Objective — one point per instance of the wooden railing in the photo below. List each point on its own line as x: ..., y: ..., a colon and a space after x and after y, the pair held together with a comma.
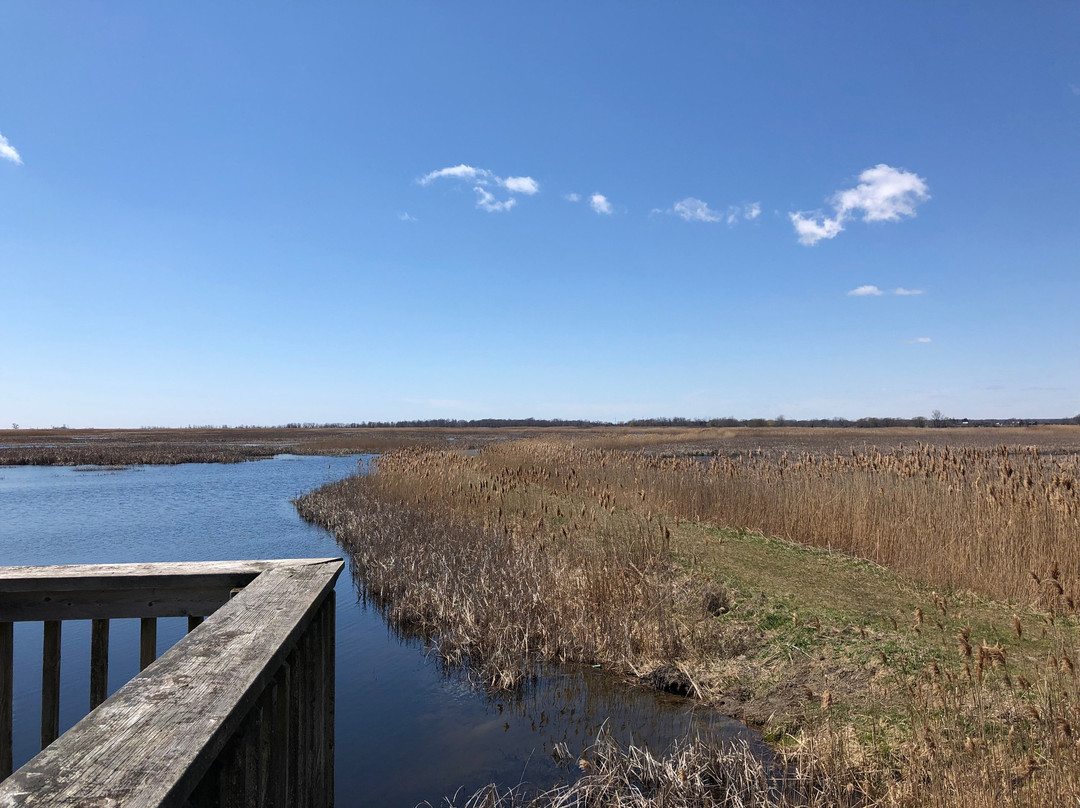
x: 239, y: 712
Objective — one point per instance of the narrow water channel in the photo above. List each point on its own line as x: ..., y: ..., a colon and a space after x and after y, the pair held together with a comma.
x: 407, y: 731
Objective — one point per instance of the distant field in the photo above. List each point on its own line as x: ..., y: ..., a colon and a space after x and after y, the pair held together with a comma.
x: 166, y: 446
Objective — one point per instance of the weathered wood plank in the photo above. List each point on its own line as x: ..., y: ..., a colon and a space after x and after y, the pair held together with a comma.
x: 147, y: 642
x: 140, y: 575
x: 151, y: 743
x: 95, y: 591
x: 7, y: 674
x: 99, y: 662
x: 48, y: 604
x: 50, y: 682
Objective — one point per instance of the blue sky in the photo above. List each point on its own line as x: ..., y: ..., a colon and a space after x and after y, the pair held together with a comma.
x: 262, y: 213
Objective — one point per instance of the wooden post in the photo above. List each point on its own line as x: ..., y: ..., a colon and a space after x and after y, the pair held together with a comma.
x: 147, y: 641
x: 7, y: 671
x: 99, y: 662
x: 193, y: 622
x: 50, y: 683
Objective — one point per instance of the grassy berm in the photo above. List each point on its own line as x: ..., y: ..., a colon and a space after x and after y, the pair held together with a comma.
x: 925, y: 672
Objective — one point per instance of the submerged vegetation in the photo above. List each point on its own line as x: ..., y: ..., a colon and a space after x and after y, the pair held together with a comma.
x: 938, y: 670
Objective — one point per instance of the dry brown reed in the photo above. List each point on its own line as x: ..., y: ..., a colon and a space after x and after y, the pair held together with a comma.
x: 541, y: 551
x: 1002, y: 522
x: 506, y: 595
x: 690, y: 774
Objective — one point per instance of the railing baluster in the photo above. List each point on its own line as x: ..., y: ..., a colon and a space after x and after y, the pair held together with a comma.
x: 7, y: 672
x: 280, y: 753
x: 50, y: 683
x: 99, y: 662
x: 329, y: 695
x: 147, y: 641
x: 193, y: 622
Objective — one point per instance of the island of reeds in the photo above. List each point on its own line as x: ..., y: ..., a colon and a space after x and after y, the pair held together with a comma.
x: 900, y: 617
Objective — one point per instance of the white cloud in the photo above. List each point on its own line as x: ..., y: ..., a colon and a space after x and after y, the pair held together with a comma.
x: 752, y: 211
x: 572, y: 197
x: 811, y: 231
x: 520, y: 185
x: 902, y: 291
x: 884, y: 194
x: 862, y: 291
x: 461, y: 172
x: 600, y: 204
x: 695, y: 210
x: 405, y: 217
x: 482, y: 179
x: 7, y: 151
x: 920, y: 340
x: 487, y: 201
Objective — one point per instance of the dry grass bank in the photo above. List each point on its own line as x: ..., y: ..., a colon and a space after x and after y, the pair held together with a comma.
x: 880, y: 688
x: 1003, y: 522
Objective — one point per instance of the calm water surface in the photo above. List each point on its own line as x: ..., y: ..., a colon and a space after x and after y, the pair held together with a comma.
x: 407, y: 731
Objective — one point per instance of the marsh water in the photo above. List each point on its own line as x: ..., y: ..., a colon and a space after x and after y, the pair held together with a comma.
x: 408, y: 731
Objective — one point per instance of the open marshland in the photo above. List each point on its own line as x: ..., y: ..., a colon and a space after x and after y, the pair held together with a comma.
x: 900, y: 619
x: 121, y: 447
x: 73, y: 447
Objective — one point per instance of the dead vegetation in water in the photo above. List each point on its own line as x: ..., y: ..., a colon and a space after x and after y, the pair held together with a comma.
x: 884, y: 690
x: 500, y: 596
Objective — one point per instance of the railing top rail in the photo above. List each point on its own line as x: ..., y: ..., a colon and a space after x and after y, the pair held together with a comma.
x: 98, y: 576
x: 151, y: 742
x: 91, y: 591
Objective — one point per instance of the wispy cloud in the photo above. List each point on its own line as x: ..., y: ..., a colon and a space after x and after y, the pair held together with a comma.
x: 482, y: 180
x: 572, y: 197
x: 693, y: 209
x: 405, y: 217
x: 488, y: 202
x: 870, y: 289
x: 863, y: 291
x: 884, y: 194
x: 920, y: 340
x: 7, y: 151
x: 461, y: 172
x: 600, y: 204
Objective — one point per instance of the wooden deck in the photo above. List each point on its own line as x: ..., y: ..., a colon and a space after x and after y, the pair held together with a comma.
x: 239, y: 712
